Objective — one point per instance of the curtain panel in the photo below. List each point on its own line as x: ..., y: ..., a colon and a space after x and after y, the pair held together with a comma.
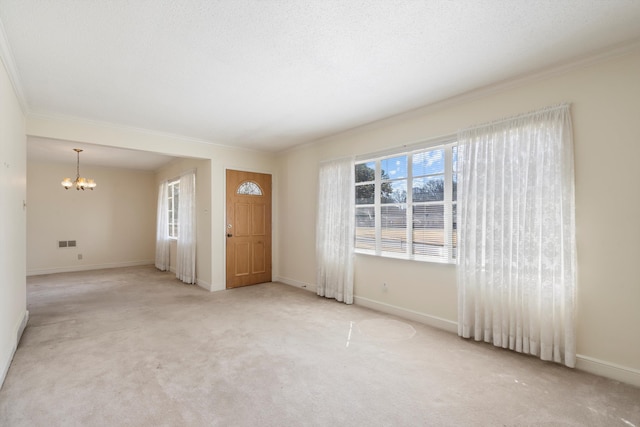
x: 162, y: 229
x: 335, y: 230
x: 516, y: 227
x: 186, y: 250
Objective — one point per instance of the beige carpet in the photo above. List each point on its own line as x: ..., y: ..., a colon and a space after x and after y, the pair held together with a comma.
x: 135, y: 347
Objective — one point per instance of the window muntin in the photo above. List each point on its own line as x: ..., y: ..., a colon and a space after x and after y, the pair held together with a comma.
x: 417, y: 224
x: 173, y: 199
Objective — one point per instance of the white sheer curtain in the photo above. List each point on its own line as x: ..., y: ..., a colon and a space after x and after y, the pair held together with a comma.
x: 162, y: 229
x: 186, y: 254
x: 335, y: 230
x: 516, y: 228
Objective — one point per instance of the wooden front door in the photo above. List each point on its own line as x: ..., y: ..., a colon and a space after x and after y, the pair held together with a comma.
x: 248, y: 228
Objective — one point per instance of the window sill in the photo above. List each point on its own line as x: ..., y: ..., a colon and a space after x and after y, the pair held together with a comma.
x: 405, y: 257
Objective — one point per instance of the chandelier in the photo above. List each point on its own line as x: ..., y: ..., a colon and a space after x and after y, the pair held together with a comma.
x: 80, y: 183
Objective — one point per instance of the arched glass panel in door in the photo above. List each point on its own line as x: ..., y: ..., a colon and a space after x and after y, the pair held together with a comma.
x: 249, y: 188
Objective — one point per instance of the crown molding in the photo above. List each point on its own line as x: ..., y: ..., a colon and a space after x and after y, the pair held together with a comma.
x: 6, y: 56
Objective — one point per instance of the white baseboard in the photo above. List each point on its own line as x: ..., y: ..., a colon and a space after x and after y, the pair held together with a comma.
x: 87, y: 267
x: 6, y: 362
x: 298, y: 284
x: 203, y: 284
x: 219, y: 286
x: 12, y: 351
x: 22, y: 327
x: 436, y: 322
x: 610, y: 370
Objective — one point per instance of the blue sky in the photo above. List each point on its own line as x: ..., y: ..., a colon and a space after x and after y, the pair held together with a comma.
x: 424, y: 163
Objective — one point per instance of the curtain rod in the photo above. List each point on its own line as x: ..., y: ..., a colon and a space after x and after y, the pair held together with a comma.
x: 424, y: 143
x: 444, y: 139
x: 517, y: 117
x: 335, y: 159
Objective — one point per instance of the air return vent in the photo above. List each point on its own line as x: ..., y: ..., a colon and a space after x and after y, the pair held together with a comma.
x: 67, y: 243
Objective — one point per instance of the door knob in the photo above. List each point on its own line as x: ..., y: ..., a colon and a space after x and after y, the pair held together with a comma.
x: 229, y: 235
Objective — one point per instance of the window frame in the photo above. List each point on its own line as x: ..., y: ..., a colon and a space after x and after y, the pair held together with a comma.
x: 449, y: 255
x: 173, y: 190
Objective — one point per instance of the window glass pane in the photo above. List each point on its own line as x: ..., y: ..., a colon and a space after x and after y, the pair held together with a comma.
x: 366, y: 228
x: 454, y: 236
x: 366, y: 172
x: 428, y: 189
x: 454, y: 151
x: 428, y: 230
x: 365, y: 194
x: 454, y: 178
x: 394, y: 168
x: 176, y: 202
x: 394, y: 191
x: 394, y: 228
x: 428, y: 162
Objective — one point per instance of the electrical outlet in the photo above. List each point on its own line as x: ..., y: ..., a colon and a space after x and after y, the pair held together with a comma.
x: 79, y: 257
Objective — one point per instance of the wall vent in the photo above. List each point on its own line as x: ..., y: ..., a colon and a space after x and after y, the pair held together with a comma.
x: 71, y: 243
x: 67, y: 243
x: 62, y: 243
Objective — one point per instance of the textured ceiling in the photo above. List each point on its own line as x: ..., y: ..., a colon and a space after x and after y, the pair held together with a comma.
x: 275, y: 73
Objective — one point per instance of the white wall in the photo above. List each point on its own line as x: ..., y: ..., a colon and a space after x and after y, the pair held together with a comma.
x: 605, y: 97
x: 203, y: 213
x: 13, y: 305
x: 220, y: 157
x: 113, y: 225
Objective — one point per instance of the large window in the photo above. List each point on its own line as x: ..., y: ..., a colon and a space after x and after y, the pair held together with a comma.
x: 173, y: 196
x: 406, y: 204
